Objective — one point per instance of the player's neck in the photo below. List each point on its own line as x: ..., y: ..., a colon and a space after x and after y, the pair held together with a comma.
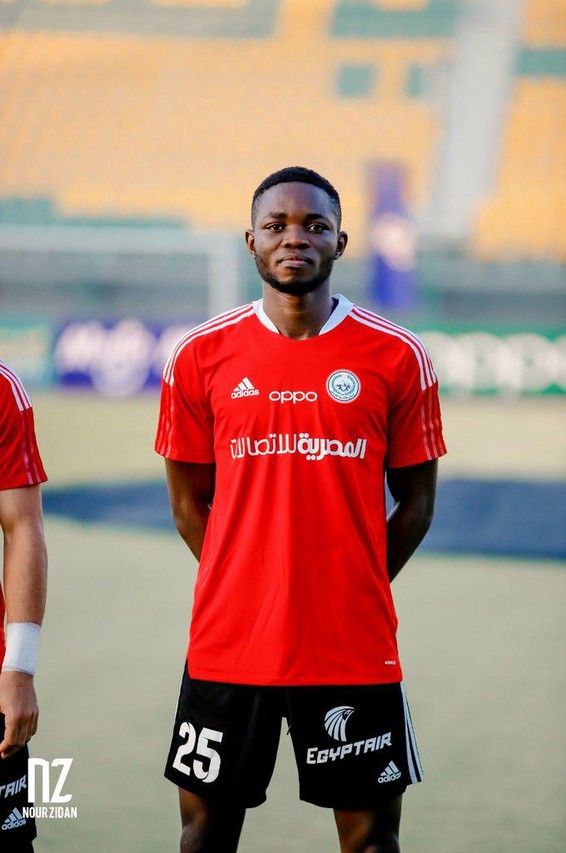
x: 298, y: 317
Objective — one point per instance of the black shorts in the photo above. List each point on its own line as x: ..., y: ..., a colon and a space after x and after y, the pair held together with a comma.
x: 354, y: 745
x: 16, y: 831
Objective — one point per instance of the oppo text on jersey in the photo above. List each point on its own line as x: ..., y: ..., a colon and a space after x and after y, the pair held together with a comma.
x: 293, y: 396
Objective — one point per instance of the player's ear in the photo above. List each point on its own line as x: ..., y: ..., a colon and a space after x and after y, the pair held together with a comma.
x: 250, y: 242
x: 341, y: 244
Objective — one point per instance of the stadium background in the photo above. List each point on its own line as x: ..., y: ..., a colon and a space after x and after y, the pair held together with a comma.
x: 132, y: 135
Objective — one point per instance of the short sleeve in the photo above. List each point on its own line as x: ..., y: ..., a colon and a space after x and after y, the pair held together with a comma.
x: 414, y: 422
x: 20, y: 462
x: 185, y: 431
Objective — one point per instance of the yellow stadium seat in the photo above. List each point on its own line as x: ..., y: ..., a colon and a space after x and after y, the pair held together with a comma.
x: 545, y: 23
x: 132, y: 125
x: 526, y: 214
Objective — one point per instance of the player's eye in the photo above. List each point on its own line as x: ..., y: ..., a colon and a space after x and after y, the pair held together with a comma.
x: 275, y: 226
x: 318, y: 227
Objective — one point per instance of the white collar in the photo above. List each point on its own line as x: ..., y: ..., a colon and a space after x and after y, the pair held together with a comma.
x: 341, y: 311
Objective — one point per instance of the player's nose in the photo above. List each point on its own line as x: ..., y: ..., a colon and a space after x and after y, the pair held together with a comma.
x: 296, y: 236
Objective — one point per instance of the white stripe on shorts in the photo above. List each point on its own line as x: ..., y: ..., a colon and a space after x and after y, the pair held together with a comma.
x: 414, y: 764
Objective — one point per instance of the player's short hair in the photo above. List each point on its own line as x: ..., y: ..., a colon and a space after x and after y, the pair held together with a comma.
x: 297, y: 174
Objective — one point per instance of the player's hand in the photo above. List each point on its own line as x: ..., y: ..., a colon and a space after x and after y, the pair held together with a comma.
x: 18, y: 703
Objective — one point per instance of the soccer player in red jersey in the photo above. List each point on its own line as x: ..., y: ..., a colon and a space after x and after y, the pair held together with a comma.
x: 25, y: 569
x: 279, y: 421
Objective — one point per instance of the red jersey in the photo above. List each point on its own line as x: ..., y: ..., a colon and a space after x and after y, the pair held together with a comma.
x: 20, y: 462
x: 292, y: 586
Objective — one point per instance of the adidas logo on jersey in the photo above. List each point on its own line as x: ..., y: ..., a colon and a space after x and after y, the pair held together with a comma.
x: 390, y: 774
x: 244, y: 389
x: 14, y: 820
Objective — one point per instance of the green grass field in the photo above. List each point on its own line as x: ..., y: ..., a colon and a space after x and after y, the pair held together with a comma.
x: 482, y: 643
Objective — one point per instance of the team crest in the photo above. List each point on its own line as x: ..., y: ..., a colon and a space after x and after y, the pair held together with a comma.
x: 343, y: 386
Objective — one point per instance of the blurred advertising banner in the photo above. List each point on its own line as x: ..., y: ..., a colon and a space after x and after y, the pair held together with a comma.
x: 117, y: 358
x: 122, y: 357
x: 392, y: 240
x: 486, y: 362
x: 26, y: 345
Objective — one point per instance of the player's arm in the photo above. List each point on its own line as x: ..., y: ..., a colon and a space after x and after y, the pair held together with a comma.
x: 413, y: 489
x: 25, y: 582
x: 191, y: 490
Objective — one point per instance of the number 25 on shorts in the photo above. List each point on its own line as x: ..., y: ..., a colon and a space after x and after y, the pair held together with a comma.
x: 187, y: 731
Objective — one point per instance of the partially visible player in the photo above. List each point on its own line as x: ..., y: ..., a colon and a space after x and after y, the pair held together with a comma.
x: 23, y: 602
x: 279, y: 422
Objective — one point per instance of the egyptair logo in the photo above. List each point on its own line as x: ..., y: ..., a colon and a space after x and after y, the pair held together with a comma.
x: 335, y: 721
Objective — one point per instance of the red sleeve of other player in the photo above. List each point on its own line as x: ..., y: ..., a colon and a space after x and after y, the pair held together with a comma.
x: 414, y: 425
x: 185, y: 428
x: 20, y: 462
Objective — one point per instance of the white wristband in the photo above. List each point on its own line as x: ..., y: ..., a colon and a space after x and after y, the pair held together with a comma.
x: 22, y: 641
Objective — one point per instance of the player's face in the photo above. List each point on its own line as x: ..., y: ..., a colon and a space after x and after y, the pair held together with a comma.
x: 295, y: 240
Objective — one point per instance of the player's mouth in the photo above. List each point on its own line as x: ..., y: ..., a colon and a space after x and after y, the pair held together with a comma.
x: 295, y: 261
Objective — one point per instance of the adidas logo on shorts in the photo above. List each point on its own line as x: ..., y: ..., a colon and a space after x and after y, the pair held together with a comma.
x: 14, y: 820
x: 390, y: 774
x: 244, y: 389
